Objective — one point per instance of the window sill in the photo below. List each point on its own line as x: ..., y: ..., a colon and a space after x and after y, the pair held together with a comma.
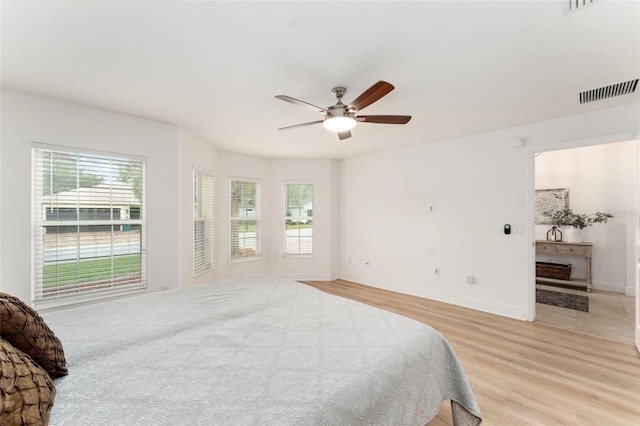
x: 55, y: 304
x: 297, y: 256
x: 245, y: 259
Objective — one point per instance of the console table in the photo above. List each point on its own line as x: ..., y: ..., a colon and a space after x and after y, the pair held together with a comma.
x: 567, y: 249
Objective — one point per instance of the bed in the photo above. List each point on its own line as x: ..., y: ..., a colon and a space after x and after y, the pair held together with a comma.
x: 256, y: 350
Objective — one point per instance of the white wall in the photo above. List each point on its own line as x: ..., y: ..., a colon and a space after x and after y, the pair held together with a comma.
x: 476, y: 185
x: 324, y: 174
x: 386, y: 220
x: 194, y: 152
x: 599, y: 178
x: 27, y: 119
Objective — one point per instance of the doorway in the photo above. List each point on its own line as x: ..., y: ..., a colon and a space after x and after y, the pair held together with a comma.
x: 596, y: 178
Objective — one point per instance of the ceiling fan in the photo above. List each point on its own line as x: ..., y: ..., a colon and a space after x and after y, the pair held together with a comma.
x: 341, y: 118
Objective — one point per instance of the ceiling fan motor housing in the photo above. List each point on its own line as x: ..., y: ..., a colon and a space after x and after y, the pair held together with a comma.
x: 339, y: 110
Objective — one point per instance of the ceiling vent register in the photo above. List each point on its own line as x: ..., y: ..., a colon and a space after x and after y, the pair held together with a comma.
x: 609, y: 91
x: 575, y: 5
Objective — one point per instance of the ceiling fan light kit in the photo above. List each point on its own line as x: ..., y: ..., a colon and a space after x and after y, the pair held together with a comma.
x: 341, y: 118
x: 339, y: 124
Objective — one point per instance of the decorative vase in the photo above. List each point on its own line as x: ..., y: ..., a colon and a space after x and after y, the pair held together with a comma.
x: 572, y: 235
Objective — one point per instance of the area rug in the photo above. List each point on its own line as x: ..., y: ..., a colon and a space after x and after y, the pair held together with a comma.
x: 563, y: 300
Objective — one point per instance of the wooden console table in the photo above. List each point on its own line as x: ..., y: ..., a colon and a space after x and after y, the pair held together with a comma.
x: 567, y: 249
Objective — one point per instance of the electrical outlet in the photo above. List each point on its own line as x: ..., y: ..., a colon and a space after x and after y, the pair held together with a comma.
x: 471, y: 279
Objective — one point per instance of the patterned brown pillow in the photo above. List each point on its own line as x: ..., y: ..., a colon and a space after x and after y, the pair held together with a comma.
x: 21, y: 326
x: 26, y: 390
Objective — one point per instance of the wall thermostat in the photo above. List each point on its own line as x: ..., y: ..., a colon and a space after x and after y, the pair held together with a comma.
x: 507, y: 229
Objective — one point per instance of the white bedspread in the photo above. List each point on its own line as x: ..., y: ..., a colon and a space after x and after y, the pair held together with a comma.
x: 252, y: 351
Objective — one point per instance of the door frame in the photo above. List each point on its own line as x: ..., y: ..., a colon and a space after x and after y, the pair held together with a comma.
x: 636, y: 257
x: 530, y: 251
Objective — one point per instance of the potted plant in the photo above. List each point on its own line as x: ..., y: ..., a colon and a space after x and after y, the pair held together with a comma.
x: 575, y: 221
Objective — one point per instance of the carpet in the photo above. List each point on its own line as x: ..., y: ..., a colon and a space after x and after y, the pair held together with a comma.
x: 563, y: 300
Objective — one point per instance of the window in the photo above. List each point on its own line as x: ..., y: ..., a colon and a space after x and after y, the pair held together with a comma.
x: 245, y: 219
x: 89, y: 218
x: 298, y: 219
x: 202, y: 222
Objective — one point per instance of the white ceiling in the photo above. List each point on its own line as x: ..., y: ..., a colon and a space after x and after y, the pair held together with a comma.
x: 460, y: 68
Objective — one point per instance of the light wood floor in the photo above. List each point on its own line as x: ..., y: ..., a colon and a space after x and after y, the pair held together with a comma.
x: 523, y: 373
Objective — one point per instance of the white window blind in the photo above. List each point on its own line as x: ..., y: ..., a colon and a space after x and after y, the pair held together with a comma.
x: 245, y: 219
x: 90, y: 225
x: 298, y: 219
x: 202, y: 222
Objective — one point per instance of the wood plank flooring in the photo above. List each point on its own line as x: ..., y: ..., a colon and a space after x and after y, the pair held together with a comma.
x: 523, y: 373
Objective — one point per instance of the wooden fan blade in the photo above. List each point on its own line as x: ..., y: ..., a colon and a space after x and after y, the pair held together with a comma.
x: 384, y: 119
x: 301, y: 125
x: 344, y: 135
x: 371, y: 95
x: 302, y: 103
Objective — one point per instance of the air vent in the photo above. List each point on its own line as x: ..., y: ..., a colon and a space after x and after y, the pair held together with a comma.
x: 575, y: 5
x: 609, y: 91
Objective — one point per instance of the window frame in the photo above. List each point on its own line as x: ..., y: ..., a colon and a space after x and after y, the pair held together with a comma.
x: 203, y: 184
x: 236, y: 255
x: 285, y: 217
x: 125, y: 275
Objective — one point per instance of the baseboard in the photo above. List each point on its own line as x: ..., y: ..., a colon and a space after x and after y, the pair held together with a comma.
x: 453, y: 299
x: 305, y: 276
x: 480, y: 305
x: 614, y: 287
